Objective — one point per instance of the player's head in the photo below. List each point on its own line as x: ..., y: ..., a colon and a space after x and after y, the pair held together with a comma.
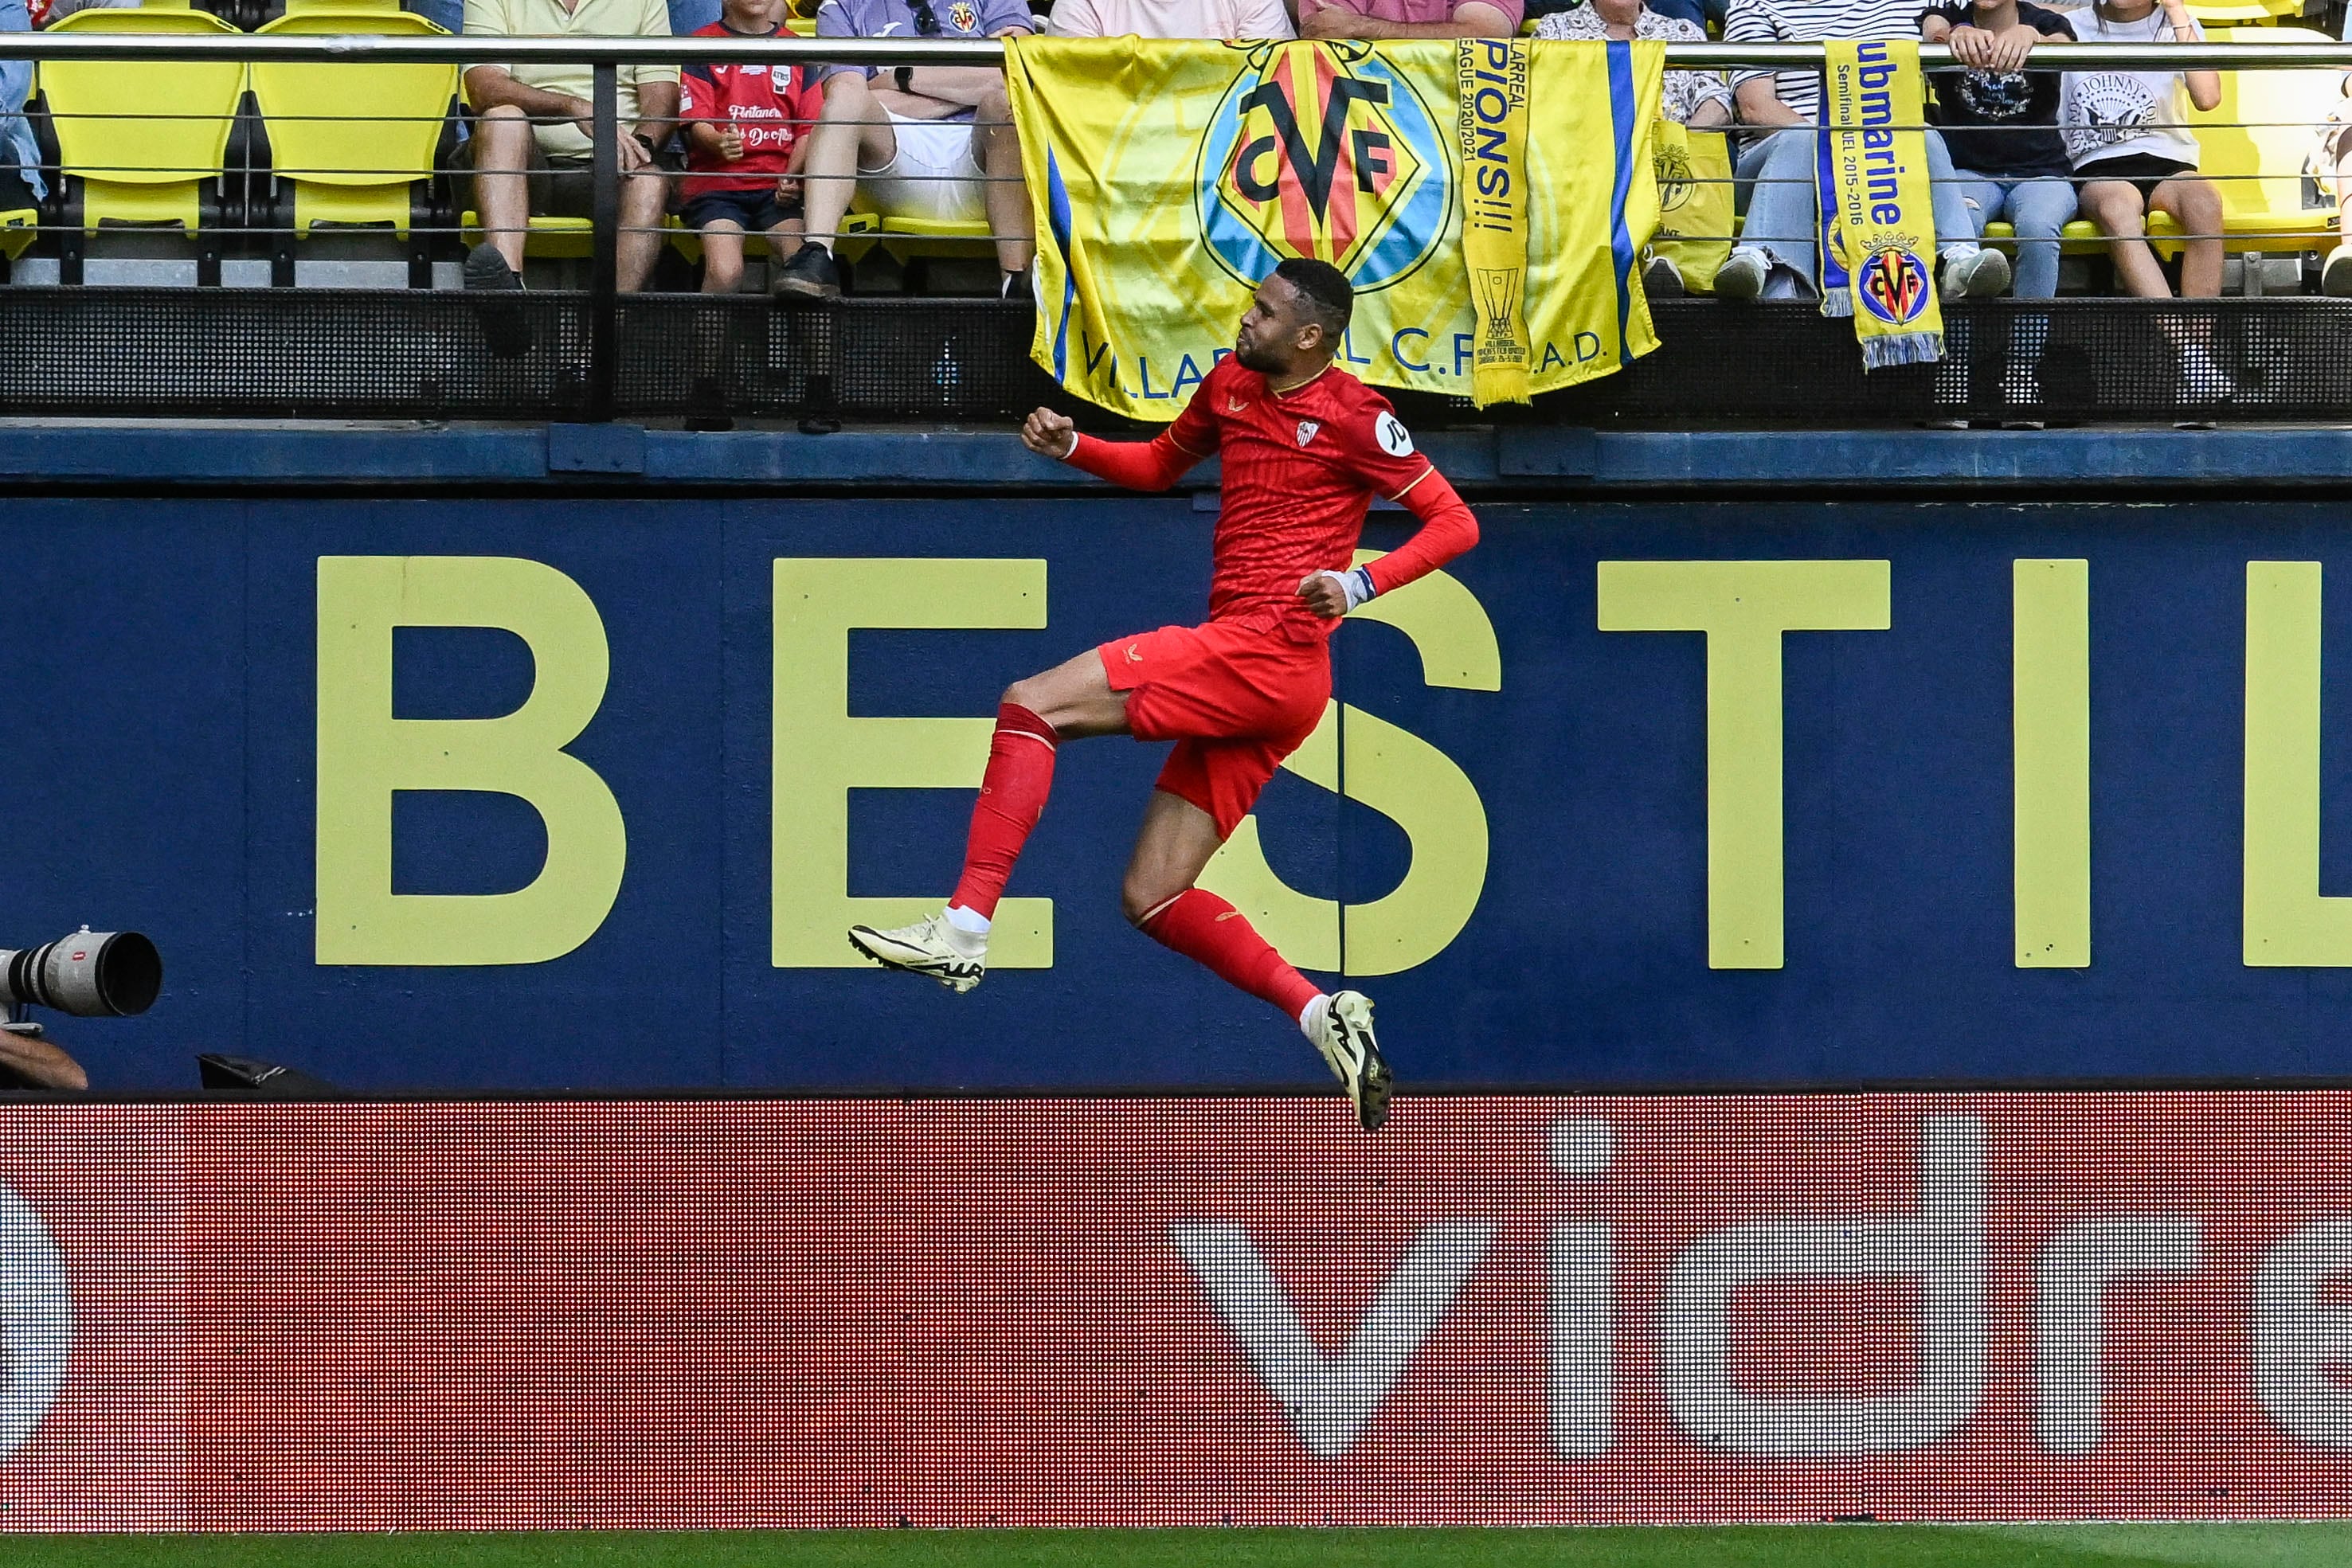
x: 1295, y: 324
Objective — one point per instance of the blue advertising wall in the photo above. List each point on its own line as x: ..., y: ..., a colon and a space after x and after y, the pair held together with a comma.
x: 162, y: 705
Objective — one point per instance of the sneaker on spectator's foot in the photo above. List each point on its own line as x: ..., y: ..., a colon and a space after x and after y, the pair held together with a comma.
x: 505, y: 325
x: 2202, y: 381
x: 1742, y: 275
x: 1663, y: 278
x: 2335, y: 272
x: 1981, y: 275
x: 809, y: 274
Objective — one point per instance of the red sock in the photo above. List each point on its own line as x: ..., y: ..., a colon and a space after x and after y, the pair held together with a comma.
x: 1011, y: 795
x: 1214, y: 933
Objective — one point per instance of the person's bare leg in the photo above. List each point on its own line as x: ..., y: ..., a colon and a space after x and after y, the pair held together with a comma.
x: 722, y: 256
x: 501, y: 179
x: 2335, y: 272
x: 1074, y: 697
x: 644, y: 193
x: 1010, y: 217
x: 2196, y: 205
x: 2115, y: 206
x: 852, y: 132
x: 783, y: 238
x: 1175, y: 843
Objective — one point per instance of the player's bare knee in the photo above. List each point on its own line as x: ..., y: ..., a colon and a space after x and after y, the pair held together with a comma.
x: 1029, y: 694
x: 1142, y: 896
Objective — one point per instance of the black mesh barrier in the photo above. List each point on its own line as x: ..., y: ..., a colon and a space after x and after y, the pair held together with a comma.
x: 360, y: 354
x: 429, y: 355
x: 1501, y: 1310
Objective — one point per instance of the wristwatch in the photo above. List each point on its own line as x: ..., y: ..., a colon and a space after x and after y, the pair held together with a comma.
x: 905, y: 75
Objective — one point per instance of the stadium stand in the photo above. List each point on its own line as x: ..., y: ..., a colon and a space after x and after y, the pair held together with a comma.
x: 156, y: 157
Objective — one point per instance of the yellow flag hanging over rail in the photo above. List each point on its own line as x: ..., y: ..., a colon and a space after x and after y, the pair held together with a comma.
x: 1488, y: 198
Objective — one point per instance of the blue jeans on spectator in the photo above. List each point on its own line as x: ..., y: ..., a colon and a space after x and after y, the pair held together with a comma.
x: 2037, y: 208
x: 686, y: 15
x: 1784, y: 216
x: 449, y: 15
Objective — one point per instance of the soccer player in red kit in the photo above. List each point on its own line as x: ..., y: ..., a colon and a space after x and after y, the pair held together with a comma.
x: 1304, y: 448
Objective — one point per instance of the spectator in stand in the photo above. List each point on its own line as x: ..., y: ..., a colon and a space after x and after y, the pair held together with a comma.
x: 2134, y: 154
x: 2331, y: 165
x: 1774, y: 258
x: 1410, y: 19
x: 1695, y: 98
x: 1999, y: 123
x: 1169, y: 19
x: 746, y: 133
x: 20, y: 157
x: 531, y: 151
x: 924, y: 142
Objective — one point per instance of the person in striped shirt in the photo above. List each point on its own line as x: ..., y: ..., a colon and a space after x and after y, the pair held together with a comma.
x: 1775, y: 258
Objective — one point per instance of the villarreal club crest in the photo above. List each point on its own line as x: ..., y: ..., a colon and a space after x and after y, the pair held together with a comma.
x: 1323, y: 151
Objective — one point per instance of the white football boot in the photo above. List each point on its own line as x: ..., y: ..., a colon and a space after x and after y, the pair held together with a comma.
x: 930, y: 947
x: 1354, y: 1056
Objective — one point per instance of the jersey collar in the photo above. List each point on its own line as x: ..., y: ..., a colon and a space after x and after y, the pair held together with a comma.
x: 1302, y: 386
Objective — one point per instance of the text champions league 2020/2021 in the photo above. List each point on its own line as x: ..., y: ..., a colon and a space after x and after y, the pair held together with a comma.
x: 1668, y: 1308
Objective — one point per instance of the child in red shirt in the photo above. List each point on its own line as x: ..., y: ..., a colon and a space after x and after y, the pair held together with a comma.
x: 746, y: 133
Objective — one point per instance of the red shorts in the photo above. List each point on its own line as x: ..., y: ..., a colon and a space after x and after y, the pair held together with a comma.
x: 1237, y: 696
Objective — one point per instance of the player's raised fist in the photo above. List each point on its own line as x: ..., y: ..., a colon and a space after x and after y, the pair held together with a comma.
x: 1049, y: 434
x: 1325, y: 594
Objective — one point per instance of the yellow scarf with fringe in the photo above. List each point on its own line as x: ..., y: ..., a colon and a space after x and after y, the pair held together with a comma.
x: 1878, y: 221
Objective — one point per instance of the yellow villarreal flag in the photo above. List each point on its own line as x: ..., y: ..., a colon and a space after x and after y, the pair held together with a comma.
x: 1488, y: 198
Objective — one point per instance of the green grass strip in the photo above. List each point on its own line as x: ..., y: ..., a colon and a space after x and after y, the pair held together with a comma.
x: 1807, y: 1546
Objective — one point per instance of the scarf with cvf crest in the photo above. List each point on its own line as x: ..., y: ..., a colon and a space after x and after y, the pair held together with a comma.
x: 1878, y: 226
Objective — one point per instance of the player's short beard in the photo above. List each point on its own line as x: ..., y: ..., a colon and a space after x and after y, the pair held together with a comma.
x: 1257, y: 356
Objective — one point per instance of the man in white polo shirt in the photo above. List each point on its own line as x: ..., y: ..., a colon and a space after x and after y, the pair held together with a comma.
x: 531, y: 149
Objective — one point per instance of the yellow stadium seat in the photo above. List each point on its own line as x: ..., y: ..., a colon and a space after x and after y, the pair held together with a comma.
x: 856, y: 238
x: 19, y: 226
x: 138, y: 142
x: 550, y: 238
x: 2256, y: 143
x: 351, y: 145
x: 902, y: 239
x: 2213, y: 15
x: 2081, y: 236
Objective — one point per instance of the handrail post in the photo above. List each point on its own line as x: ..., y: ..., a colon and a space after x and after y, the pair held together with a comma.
x: 605, y: 269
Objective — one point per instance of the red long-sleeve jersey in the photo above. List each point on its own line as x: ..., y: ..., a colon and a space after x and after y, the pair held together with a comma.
x: 1300, y: 471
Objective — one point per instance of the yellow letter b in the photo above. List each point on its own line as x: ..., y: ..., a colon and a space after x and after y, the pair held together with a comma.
x: 365, y: 755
